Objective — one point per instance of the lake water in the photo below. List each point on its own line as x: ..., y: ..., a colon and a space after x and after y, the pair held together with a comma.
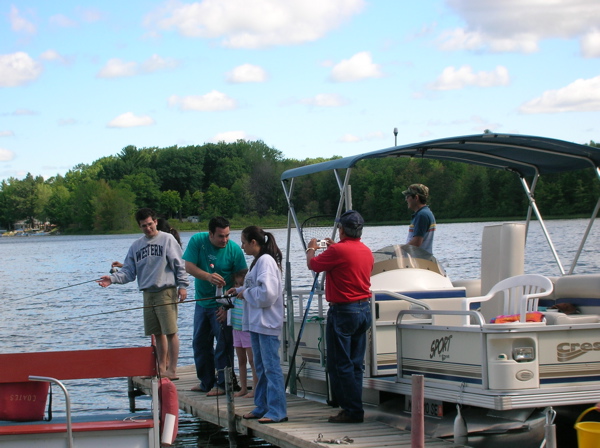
x: 47, y: 288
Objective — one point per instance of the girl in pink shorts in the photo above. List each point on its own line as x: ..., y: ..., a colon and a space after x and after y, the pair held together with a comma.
x: 241, y: 341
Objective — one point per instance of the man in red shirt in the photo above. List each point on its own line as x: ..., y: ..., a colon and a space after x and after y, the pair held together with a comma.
x: 348, y: 265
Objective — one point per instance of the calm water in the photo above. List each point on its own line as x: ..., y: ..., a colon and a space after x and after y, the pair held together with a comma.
x: 38, y: 316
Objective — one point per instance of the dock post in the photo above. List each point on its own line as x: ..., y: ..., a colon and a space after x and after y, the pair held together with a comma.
x: 417, y: 419
x: 131, y: 394
x: 230, y: 407
x: 550, y: 428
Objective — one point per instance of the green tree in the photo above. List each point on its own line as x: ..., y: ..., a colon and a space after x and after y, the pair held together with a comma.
x: 218, y: 201
x: 180, y: 169
x: 170, y: 203
x: 84, y: 203
x: 144, y: 184
x: 8, y: 209
x: 43, y: 193
x: 113, y: 208
x: 26, y: 200
x: 58, y: 207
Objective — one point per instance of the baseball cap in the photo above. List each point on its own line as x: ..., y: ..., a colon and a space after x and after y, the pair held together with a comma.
x: 417, y: 189
x: 351, y: 219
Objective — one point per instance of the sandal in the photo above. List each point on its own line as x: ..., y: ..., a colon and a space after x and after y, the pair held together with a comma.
x: 270, y: 420
x: 250, y: 416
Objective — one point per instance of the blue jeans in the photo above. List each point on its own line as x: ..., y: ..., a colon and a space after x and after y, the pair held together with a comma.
x: 346, y: 336
x: 206, y: 355
x: 269, y: 390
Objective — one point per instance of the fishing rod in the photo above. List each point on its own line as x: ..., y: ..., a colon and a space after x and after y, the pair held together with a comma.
x: 226, y: 297
x: 53, y: 290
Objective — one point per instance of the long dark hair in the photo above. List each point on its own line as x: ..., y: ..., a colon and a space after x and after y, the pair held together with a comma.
x: 267, y: 244
x: 163, y: 225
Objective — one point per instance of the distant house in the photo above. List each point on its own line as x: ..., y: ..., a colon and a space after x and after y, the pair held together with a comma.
x: 26, y: 226
x: 193, y: 218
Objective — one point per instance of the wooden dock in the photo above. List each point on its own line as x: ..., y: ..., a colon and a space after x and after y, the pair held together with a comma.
x: 307, y: 420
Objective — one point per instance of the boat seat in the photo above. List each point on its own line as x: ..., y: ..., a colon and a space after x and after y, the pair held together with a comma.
x: 519, y: 295
x: 582, y: 291
x: 577, y: 286
x: 556, y: 318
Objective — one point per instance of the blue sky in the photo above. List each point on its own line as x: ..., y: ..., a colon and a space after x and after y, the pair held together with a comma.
x: 80, y: 80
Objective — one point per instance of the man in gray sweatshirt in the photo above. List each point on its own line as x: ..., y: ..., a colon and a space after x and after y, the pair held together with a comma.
x: 155, y: 259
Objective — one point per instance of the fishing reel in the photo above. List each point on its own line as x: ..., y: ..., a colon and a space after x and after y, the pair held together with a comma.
x: 226, y: 301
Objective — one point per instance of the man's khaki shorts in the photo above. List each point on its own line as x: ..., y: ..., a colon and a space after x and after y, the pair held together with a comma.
x: 160, y: 312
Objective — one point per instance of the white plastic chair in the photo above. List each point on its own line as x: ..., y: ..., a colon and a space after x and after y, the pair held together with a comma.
x: 520, y: 294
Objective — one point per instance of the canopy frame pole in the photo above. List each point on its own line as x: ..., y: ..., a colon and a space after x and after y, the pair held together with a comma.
x: 533, y: 206
x: 587, y: 230
x: 288, y: 283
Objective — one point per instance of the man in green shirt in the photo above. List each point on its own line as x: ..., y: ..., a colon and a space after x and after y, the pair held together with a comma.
x: 212, y: 259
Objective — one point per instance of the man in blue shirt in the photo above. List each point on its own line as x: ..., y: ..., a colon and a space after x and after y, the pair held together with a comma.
x: 422, y: 225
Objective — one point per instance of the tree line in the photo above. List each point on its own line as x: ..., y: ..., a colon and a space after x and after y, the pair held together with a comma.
x: 242, y: 179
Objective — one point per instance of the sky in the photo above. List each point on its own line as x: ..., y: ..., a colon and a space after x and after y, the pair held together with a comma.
x: 80, y: 80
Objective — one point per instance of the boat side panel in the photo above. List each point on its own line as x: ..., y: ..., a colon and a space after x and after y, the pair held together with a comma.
x: 442, y: 355
x: 79, y: 364
x: 570, y: 357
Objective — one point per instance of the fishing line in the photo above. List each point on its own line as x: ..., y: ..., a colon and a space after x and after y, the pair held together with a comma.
x: 52, y: 290
x: 226, y: 297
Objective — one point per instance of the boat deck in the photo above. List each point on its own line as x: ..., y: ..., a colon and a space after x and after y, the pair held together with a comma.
x: 307, y: 420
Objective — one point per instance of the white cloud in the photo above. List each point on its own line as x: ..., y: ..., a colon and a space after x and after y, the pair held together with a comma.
x: 255, y: 23
x: 117, y: 68
x: 371, y: 136
x: 325, y: 100
x: 360, y: 66
x: 21, y: 112
x: 246, y: 73
x: 6, y: 155
x: 375, y: 135
x: 62, y: 21
x: 67, y: 121
x: 52, y: 55
x: 7, y: 134
x: 17, y: 69
x: 212, y: 101
x: 460, y: 39
x: 583, y: 95
x: 518, y: 25
x: 231, y: 137
x: 130, y: 120
x: 90, y: 14
x: 349, y: 138
x: 155, y: 63
x: 590, y: 44
x: 18, y: 23
x: 453, y: 79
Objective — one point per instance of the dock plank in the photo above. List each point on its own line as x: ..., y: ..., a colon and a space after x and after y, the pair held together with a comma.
x: 307, y: 420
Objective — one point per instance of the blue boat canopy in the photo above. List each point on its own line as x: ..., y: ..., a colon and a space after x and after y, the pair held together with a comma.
x: 523, y: 154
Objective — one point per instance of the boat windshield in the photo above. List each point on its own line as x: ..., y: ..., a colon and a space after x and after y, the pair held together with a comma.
x: 405, y: 256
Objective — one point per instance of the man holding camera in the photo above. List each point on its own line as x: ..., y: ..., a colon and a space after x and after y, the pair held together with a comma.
x: 348, y: 264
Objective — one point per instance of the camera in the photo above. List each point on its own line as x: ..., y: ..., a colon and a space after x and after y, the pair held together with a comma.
x: 322, y: 244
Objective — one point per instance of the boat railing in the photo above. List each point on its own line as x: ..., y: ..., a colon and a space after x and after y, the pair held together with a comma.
x: 67, y: 403
x: 430, y: 314
x: 300, y: 296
